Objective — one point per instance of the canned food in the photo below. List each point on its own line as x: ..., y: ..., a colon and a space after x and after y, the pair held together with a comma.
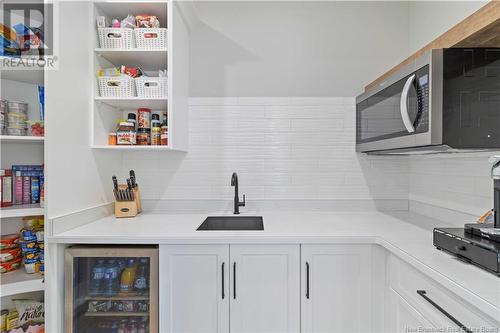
x: 14, y: 106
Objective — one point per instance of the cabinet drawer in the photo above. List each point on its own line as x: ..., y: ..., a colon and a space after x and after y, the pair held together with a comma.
x: 406, y: 281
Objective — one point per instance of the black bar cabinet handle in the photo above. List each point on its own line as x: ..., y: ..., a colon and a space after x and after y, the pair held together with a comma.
x: 234, y: 280
x: 423, y: 293
x: 223, y: 294
x: 307, y: 280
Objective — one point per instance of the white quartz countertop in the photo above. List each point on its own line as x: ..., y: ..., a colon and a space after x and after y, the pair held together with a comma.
x: 406, y: 235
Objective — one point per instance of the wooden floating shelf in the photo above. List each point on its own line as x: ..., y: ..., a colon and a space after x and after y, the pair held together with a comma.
x: 117, y: 314
x: 481, y: 29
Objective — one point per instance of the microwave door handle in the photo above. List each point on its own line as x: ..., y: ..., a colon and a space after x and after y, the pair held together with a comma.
x: 404, y: 105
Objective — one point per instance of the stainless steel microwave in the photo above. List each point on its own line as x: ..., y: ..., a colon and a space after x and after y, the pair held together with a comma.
x: 445, y: 100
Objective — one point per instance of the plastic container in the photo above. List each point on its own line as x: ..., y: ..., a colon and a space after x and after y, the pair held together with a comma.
x: 151, y: 38
x: 116, y: 38
x: 36, y: 128
x: 17, y: 131
x: 116, y: 86
x: 152, y: 87
x: 15, y: 106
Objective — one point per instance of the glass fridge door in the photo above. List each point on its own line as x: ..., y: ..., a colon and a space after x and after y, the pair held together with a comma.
x: 111, y: 290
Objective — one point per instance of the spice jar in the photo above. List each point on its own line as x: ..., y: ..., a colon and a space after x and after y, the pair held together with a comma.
x: 126, y: 135
x: 156, y: 134
x: 132, y: 119
x: 164, y: 136
x: 142, y: 137
x: 112, y: 139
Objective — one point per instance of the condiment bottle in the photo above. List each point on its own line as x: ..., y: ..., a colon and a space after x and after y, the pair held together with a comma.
x: 126, y: 135
x: 132, y: 119
x: 164, y: 136
x: 156, y: 133
x: 142, y: 137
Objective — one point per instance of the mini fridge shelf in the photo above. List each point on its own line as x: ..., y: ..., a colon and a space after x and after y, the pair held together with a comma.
x: 117, y: 314
x: 118, y: 298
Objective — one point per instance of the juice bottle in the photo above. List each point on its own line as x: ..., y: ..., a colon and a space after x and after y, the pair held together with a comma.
x: 128, y: 277
x: 96, y: 278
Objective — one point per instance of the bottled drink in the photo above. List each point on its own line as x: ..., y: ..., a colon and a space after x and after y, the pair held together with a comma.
x: 111, y: 276
x: 128, y: 277
x: 141, y: 277
x: 96, y: 278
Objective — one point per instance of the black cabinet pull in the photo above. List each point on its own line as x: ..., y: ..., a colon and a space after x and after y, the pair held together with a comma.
x: 307, y: 280
x: 423, y: 293
x: 234, y: 280
x: 223, y: 294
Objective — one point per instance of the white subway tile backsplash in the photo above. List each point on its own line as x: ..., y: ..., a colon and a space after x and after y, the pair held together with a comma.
x: 285, y: 148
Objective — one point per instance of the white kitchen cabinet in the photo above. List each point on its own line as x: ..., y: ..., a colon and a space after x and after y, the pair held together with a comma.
x: 197, y: 293
x: 336, y: 288
x: 194, y: 288
x: 402, y: 316
x: 430, y: 299
x: 265, y: 284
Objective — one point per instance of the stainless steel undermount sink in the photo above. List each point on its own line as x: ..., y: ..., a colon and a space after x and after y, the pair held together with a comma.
x: 232, y: 223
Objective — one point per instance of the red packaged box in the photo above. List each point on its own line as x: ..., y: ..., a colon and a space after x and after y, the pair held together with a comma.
x: 6, y: 184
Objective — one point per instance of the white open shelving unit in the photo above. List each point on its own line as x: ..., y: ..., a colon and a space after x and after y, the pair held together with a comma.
x: 21, y: 85
x: 174, y: 58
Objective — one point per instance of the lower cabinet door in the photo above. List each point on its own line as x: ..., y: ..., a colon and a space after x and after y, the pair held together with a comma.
x: 404, y: 318
x: 336, y: 288
x: 194, y: 288
x: 265, y: 284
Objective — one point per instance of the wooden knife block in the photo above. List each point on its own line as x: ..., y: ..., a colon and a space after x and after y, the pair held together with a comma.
x: 129, y: 208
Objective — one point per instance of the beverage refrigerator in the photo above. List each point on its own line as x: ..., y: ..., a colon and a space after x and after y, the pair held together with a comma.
x: 111, y: 290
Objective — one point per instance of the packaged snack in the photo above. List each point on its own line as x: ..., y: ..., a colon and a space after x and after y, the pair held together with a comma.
x: 39, y: 233
x: 9, y: 241
x: 99, y: 306
x: 10, y: 254
x: 30, y: 255
x: 41, y: 101
x: 147, y: 21
x: 40, y: 245
x: 113, y: 71
x: 10, y: 265
x: 131, y: 71
x: 28, y: 245
x: 36, y: 128
x: 128, y: 306
x: 128, y: 22
x: 33, y: 221
x: 12, y: 320
x: 31, y: 265
x: 27, y: 234
x: 30, y: 311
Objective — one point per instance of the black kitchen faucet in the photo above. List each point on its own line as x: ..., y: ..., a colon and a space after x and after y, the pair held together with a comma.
x: 237, y: 202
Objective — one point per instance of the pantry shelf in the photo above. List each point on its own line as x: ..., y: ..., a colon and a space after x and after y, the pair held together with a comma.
x: 157, y: 104
x: 21, y: 210
x: 136, y: 148
x: 117, y: 314
x: 147, y: 60
x: 21, y: 139
x: 19, y: 281
x: 117, y: 298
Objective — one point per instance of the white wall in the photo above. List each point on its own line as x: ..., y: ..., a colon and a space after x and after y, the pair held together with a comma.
x: 429, y: 19
x: 294, y: 48
x: 78, y: 177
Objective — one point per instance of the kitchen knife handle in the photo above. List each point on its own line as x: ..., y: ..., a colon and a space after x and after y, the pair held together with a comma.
x: 223, y: 292
x: 115, y: 182
x: 423, y: 293
x: 307, y: 280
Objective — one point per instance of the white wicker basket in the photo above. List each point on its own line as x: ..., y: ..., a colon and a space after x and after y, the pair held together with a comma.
x: 151, y: 38
x: 152, y: 87
x: 116, y: 38
x: 116, y: 86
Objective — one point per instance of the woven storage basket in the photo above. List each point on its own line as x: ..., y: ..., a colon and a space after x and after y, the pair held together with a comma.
x: 116, y: 38
x: 116, y: 86
x: 151, y: 38
x: 152, y: 87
